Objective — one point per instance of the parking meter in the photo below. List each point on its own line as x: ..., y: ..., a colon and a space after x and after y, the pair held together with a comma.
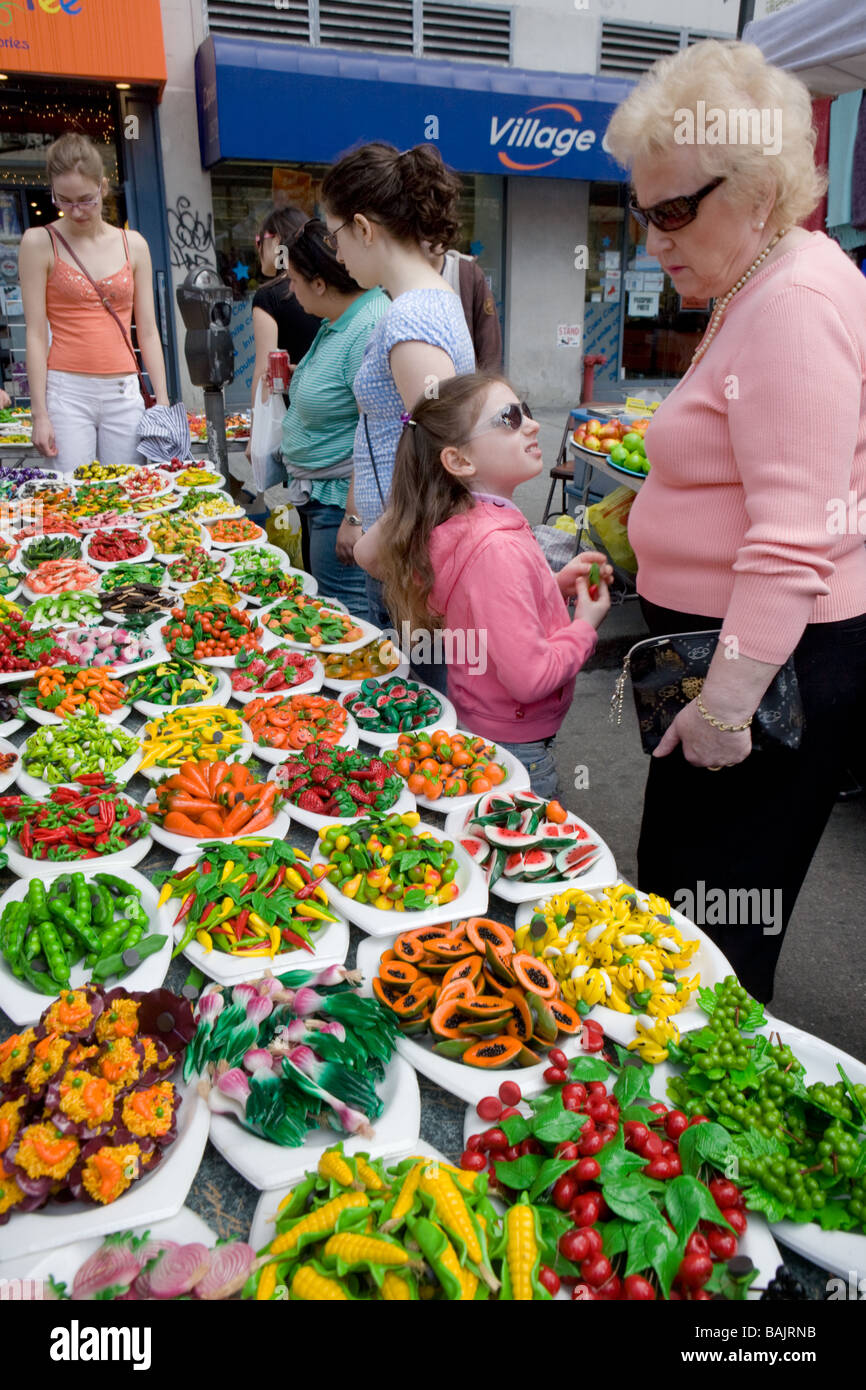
x: 206, y: 306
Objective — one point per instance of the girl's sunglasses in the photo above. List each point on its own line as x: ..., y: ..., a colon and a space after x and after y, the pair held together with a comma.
x: 510, y: 416
x: 673, y: 213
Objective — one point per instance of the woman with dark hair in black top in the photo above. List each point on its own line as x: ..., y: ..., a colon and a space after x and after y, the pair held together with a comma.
x: 278, y: 319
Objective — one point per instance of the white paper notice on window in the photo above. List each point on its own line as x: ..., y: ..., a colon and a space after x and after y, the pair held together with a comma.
x: 643, y: 306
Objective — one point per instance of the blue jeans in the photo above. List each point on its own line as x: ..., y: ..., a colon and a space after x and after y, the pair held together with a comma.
x: 539, y: 762
x: 321, y: 523
x: 428, y: 673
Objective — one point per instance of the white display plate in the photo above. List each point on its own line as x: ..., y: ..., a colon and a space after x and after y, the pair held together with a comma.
x: 146, y: 510
x: 18, y: 562
x: 331, y: 943
x: 11, y: 727
x: 13, y: 593
x: 840, y: 1252
x: 266, y: 1165
x: 36, y: 786
x: 235, y: 545
x: 220, y: 696
x: 603, y: 871
x: 240, y: 753
x: 284, y: 563
x: 469, y: 1083
x: 262, y: 1229
x: 309, y: 585
x: 707, y: 961
x: 123, y: 668
x: 47, y: 716
x: 63, y: 1264
x: 143, y: 559
x: 309, y: 687
x: 219, y: 663
x: 368, y: 634
x: 234, y: 514
x: 758, y: 1243
x: 184, y: 488
x: 24, y: 867
x: 183, y: 844
x: 348, y: 739
x: 166, y: 558
x: 63, y: 628
x: 24, y: 1005
x: 400, y: 672
x: 7, y: 778
x: 404, y: 802
x: 517, y: 778
x: 154, y: 1198
x: 471, y: 901
x: 177, y: 586
x: 89, y: 588
x: 447, y: 720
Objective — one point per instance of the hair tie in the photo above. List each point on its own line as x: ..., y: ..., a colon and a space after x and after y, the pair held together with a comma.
x: 407, y: 419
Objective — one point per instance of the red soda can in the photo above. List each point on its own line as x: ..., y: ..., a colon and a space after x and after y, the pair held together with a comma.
x: 278, y: 370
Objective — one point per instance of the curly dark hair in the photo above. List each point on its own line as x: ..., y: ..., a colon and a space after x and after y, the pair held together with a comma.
x: 413, y: 194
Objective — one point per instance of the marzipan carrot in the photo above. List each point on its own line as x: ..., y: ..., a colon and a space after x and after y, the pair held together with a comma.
x: 215, y: 776
x: 181, y: 825
x: 236, y: 801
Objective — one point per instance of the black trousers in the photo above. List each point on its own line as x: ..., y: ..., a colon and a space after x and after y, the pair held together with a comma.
x: 756, y: 825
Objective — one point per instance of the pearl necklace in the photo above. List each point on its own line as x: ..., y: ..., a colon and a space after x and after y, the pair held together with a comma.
x: 721, y: 306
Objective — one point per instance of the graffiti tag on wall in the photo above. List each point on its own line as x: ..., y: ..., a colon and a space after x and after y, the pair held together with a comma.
x: 190, y: 236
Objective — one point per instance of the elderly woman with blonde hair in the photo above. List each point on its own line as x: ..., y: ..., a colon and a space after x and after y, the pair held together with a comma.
x: 756, y: 454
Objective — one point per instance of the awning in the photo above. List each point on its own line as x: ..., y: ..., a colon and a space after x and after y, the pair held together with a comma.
x: 278, y: 102
x: 823, y: 42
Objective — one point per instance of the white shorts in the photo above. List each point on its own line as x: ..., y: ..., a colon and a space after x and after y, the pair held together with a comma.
x: 94, y: 417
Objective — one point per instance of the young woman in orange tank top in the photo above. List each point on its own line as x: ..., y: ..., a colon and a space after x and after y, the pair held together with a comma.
x: 84, y: 388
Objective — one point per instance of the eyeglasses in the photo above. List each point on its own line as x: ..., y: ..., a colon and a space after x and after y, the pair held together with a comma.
x: 510, y: 416
x: 330, y: 238
x: 265, y: 236
x: 66, y: 203
x: 673, y: 213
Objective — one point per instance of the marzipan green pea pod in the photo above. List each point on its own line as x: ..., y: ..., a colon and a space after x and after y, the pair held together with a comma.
x: 52, y: 948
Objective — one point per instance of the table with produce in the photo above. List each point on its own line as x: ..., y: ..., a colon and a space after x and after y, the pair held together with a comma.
x: 305, y: 995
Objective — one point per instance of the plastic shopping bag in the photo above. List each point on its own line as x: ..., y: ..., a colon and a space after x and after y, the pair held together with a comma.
x: 265, y: 439
x: 283, y: 528
x: 606, y: 528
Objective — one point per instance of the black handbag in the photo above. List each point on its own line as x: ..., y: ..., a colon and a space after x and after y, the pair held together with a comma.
x: 667, y: 673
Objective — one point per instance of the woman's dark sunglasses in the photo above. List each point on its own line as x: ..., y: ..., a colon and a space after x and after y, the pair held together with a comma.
x: 511, y: 416
x: 673, y: 213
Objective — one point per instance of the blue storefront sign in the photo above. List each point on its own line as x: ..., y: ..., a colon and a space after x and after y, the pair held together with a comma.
x: 277, y: 102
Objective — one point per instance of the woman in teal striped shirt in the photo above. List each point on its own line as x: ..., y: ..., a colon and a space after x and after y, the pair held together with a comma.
x: 319, y: 427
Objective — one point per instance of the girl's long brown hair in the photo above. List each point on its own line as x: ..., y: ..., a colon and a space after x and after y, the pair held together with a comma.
x: 424, y: 493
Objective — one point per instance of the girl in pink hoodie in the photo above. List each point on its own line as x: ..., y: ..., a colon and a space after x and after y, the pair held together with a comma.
x: 454, y: 551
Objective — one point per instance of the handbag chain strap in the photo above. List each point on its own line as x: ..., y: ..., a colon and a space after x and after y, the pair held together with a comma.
x: 618, y: 696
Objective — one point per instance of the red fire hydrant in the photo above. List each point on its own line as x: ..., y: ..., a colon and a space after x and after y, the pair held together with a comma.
x: 590, y: 362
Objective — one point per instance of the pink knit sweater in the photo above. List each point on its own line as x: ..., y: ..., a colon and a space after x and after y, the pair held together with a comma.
x: 759, y: 457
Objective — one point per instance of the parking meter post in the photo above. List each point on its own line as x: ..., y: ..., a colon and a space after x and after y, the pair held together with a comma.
x: 215, y: 415
x: 206, y: 305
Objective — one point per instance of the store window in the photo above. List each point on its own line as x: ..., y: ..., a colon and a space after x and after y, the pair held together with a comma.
x: 243, y: 195
x: 633, y: 313
x: 661, y: 328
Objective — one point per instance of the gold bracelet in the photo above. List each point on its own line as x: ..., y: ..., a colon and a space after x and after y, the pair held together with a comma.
x: 717, y: 723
